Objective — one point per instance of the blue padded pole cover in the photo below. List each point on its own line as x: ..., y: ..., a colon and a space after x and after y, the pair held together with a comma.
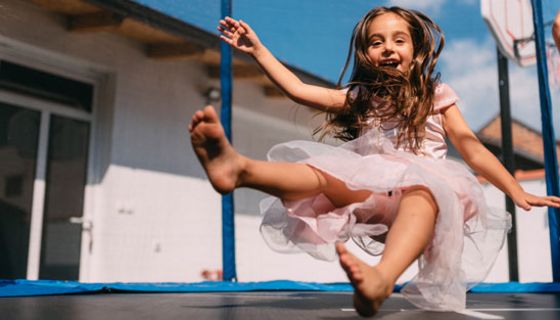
x: 228, y: 227
x: 550, y: 160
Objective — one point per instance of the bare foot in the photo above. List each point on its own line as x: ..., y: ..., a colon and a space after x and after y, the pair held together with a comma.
x: 222, y: 163
x: 371, y: 288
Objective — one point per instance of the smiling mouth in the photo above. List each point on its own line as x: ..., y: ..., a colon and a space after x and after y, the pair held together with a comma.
x: 389, y: 64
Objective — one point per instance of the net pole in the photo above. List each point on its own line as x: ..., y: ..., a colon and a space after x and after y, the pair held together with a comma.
x: 549, y: 141
x: 228, y: 226
x: 508, y: 159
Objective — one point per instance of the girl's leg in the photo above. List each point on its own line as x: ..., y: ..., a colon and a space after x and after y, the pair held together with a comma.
x: 409, y: 235
x: 227, y: 169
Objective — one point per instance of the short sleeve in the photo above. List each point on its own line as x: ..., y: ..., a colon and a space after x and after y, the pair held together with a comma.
x: 353, y: 93
x: 444, y: 97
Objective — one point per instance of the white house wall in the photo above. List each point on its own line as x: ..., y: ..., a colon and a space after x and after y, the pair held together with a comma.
x: 155, y: 216
x: 533, y: 242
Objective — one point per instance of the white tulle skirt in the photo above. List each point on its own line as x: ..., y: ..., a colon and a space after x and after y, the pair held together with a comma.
x: 468, y: 235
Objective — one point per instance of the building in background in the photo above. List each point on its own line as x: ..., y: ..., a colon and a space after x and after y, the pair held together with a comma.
x: 533, y: 236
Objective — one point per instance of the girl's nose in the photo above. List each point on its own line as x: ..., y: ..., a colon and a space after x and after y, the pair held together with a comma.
x: 388, y: 51
x: 388, y: 47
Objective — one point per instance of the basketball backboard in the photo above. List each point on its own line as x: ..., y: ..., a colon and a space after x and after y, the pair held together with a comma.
x: 511, y: 24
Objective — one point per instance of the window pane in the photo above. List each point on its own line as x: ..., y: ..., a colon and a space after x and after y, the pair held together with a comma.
x: 74, y: 94
x: 19, y: 133
x: 64, y: 198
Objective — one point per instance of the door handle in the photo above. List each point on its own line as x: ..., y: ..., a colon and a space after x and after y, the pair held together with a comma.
x: 86, y: 224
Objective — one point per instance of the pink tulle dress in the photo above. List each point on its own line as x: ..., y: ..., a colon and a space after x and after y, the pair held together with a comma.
x: 468, y: 234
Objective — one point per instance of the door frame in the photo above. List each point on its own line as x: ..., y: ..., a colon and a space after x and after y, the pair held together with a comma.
x: 70, y: 67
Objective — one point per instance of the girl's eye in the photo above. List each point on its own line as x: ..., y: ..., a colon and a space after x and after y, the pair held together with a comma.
x: 376, y: 43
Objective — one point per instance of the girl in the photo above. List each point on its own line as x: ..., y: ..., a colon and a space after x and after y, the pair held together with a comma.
x: 389, y: 187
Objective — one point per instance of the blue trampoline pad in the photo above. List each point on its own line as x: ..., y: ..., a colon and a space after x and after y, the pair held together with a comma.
x: 22, y: 299
x: 18, y: 288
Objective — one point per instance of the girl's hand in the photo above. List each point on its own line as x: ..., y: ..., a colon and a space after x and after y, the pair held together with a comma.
x: 239, y: 35
x: 527, y: 201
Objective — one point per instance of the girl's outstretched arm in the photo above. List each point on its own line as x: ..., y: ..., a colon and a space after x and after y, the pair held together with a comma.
x: 486, y: 164
x: 239, y: 35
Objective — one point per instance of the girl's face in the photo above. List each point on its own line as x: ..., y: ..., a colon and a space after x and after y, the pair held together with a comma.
x: 390, y: 42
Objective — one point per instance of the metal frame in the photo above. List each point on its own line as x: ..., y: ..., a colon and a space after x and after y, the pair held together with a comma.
x: 228, y: 209
x: 550, y: 157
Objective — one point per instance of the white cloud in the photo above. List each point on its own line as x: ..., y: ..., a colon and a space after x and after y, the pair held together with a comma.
x: 470, y: 68
x: 433, y: 6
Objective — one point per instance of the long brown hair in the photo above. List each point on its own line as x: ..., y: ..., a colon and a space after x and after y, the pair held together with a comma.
x: 384, y: 93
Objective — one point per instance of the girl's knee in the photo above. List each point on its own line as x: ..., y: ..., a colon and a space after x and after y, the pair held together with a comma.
x: 421, y: 194
x: 337, y: 191
x: 323, y: 178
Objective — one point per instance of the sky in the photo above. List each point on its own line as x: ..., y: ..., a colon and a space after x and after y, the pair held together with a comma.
x: 314, y: 35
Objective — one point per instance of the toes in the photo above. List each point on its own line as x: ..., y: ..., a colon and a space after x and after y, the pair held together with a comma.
x: 354, y: 271
x: 344, y: 261
x: 340, y: 248
x: 357, y: 274
x: 193, y: 123
x: 209, y: 114
x: 196, y: 118
x: 352, y: 268
x: 200, y: 116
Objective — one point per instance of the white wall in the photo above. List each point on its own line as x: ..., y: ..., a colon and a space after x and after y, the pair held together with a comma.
x: 533, y: 242
x: 155, y: 227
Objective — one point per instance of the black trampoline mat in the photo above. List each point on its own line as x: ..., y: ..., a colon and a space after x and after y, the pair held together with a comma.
x: 264, y: 305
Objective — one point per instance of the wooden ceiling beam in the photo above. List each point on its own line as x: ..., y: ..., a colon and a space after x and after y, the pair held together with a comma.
x: 95, y: 22
x: 70, y: 7
x: 271, y: 91
x: 174, y: 51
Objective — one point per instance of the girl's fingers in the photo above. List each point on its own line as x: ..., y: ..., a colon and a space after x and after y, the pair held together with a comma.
x: 227, y: 40
x: 235, y: 25
x: 228, y: 24
x: 231, y: 22
x: 524, y: 204
x: 224, y: 24
x: 545, y: 201
x: 245, y: 26
x: 227, y: 33
x: 553, y: 203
